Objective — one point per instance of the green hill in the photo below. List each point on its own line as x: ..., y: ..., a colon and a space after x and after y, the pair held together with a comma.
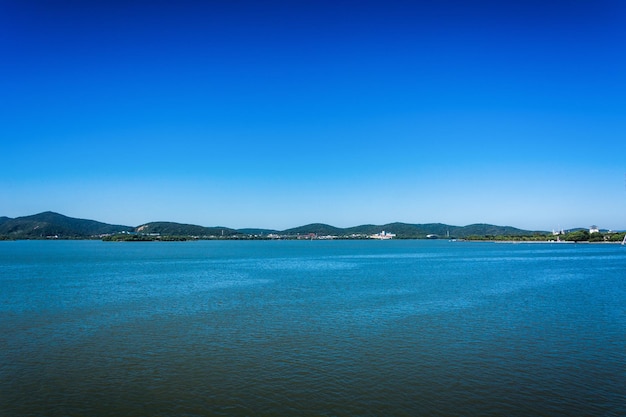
x: 257, y: 232
x: 179, y: 229
x: 50, y: 224
x: 417, y: 230
x: 411, y: 231
x: 492, y: 230
x: 319, y: 229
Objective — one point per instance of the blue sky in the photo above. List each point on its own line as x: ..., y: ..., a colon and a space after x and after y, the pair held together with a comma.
x: 277, y: 114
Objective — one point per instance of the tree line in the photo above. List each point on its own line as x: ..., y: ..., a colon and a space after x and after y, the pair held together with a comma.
x: 573, y: 236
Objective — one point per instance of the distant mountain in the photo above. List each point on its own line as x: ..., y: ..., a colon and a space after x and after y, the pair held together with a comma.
x: 400, y: 229
x: 257, y: 232
x: 492, y: 230
x: 50, y: 224
x: 178, y: 229
x: 319, y: 229
x: 407, y: 231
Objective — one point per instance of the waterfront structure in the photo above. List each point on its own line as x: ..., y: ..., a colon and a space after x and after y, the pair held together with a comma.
x: 383, y: 235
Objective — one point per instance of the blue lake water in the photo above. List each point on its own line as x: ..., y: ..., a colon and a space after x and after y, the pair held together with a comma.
x: 314, y: 328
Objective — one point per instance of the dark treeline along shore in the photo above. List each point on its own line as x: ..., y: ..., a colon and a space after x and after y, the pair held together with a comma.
x: 50, y: 225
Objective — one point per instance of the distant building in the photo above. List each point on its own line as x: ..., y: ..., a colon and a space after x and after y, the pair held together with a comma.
x: 383, y: 235
x: 594, y: 229
x: 308, y: 236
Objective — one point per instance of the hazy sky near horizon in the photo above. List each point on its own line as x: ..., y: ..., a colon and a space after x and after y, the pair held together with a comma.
x: 281, y: 113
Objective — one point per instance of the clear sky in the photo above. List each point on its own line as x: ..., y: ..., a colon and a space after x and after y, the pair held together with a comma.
x: 277, y: 114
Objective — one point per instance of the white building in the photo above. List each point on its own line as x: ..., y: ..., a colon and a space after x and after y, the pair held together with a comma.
x: 383, y: 235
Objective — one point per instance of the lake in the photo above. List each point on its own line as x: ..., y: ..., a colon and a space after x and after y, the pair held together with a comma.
x: 312, y: 328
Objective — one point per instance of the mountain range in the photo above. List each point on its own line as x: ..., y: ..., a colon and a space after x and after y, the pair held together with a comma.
x: 55, y: 225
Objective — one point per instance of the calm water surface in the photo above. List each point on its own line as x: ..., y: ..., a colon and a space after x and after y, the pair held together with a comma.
x: 319, y: 328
